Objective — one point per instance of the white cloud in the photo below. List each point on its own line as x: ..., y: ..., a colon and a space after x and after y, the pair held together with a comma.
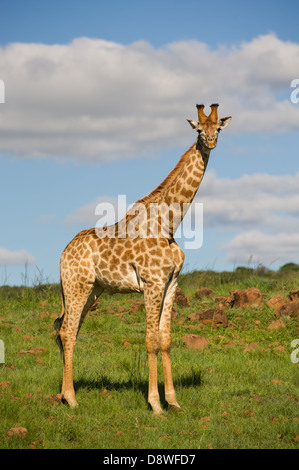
x: 258, y: 199
x: 265, y: 248
x: 259, y: 213
x: 96, y: 99
x: 8, y: 257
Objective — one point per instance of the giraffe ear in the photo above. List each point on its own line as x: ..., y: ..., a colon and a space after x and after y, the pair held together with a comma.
x: 224, y: 122
x: 195, y: 125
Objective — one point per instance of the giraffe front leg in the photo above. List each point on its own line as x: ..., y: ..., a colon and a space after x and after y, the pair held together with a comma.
x: 68, y: 392
x: 74, y: 315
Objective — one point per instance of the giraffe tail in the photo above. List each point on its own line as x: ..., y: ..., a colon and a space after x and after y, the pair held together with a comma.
x: 58, y: 322
x: 57, y: 326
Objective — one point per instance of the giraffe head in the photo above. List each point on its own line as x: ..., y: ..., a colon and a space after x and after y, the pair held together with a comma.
x: 208, y: 127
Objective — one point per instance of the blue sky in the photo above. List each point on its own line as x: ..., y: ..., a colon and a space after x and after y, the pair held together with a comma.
x: 96, y: 100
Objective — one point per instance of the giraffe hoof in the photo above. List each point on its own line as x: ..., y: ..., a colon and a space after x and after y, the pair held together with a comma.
x: 73, y: 404
x: 71, y: 401
x: 175, y: 408
x: 157, y: 410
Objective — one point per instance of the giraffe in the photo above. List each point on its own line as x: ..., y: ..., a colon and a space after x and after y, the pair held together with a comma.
x: 114, y: 259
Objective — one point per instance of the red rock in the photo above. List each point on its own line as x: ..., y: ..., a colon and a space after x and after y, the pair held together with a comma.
x: 16, y: 431
x: 277, y: 302
x: 180, y: 298
x: 294, y: 294
x: 230, y: 344
x: 56, y: 398
x: 174, y: 314
x: 204, y: 292
x: 51, y: 418
x: 35, y: 444
x: 292, y: 309
x: 247, y: 297
x: 4, y: 384
x: 251, y: 347
x: 195, y: 342
x: 205, y: 419
x: 224, y: 301
x: 279, y: 348
x: 214, y: 316
x: 28, y: 338
x: 274, y: 325
x: 136, y: 307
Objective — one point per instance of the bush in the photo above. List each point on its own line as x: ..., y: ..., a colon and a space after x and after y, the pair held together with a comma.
x: 289, y: 267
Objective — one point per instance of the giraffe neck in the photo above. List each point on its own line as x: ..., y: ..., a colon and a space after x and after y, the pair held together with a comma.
x: 177, y: 190
x: 184, y: 186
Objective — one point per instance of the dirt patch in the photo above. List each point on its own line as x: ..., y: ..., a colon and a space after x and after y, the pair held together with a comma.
x: 33, y: 351
x: 195, y: 342
x: 18, y: 431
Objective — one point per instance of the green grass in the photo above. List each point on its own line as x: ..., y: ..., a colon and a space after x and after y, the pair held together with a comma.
x: 230, y: 398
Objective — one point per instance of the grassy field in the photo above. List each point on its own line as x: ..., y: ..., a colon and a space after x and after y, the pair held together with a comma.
x: 239, y: 392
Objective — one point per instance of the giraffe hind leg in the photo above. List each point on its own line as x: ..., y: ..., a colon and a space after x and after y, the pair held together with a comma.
x: 70, y: 323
